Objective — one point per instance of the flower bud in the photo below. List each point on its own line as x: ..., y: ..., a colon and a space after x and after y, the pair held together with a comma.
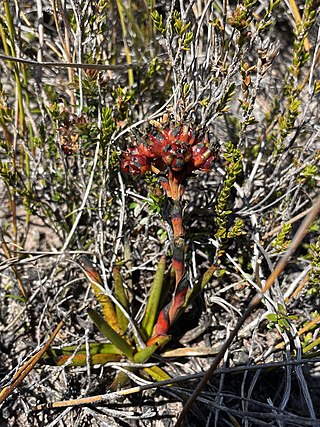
x: 133, y: 163
x: 176, y: 155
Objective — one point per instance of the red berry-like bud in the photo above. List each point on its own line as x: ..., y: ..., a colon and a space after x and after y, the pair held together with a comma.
x: 176, y: 149
x: 152, y: 147
x: 208, y: 164
x: 200, y: 156
x: 176, y: 155
x: 133, y: 163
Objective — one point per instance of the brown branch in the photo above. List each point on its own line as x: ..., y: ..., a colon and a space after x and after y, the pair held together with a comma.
x: 28, y: 366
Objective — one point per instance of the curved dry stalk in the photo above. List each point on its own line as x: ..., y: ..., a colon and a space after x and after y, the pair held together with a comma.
x: 28, y: 366
x: 84, y: 66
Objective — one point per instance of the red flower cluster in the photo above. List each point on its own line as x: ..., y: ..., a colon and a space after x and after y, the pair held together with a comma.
x: 178, y: 148
x: 173, y: 151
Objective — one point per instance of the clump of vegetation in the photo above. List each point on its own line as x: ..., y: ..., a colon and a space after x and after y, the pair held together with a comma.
x: 110, y: 113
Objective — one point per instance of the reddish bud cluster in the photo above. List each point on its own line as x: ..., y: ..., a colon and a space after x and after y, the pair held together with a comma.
x: 177, y: 149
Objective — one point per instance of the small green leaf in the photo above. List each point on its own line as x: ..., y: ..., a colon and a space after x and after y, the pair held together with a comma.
x: 158, y: 21
x: 283, y: 323
x: 272, y: 317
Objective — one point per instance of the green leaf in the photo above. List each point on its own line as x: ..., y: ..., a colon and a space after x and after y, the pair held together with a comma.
x: 94, y: 348
x: 96, y: 283
x: 121, y: 296
x: 311, y: 346
x: 120, y: 380
x: 13, y: 296
x: 272, y: 317
x: 143, y: 355
x: 81, y: 359
x: 153, y: 300
x: 283, y: 323
x: 111, y: 334
x: 157, y: 373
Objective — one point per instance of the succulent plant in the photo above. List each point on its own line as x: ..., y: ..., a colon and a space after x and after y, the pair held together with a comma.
x: 172, y: 151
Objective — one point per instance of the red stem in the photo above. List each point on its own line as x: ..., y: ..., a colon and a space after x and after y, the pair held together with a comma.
x: 170, y: 312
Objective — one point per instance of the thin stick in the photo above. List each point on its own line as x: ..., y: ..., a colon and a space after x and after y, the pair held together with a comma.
x: 112, y: 396
x: 302, y: 231
x: 28, y: 366
x: 291, y: 221
x: 68, y: 64
x: 13, y: 267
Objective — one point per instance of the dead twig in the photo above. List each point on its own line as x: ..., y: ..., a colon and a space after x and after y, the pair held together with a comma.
x: 28, y: 366
x: 100, y: 67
